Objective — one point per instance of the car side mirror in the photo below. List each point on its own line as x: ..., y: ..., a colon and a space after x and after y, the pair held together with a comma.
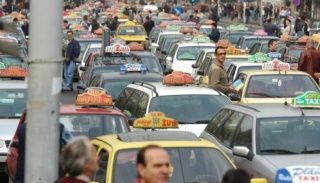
x: 14, y: 144
x: 234, y: 97
x: 154, y: 45
x: 163, y: 52
x: 242, y: 151
x: 169, y: 59
x: 168, y: 71
x: 201, y: 73
x: 194, y: 66
x: 83, y: 68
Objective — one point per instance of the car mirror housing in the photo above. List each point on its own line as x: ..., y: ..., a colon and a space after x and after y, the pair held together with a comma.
x: 242, y: 151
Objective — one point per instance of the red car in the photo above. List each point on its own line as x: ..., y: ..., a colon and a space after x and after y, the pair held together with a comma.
x: 88, y: 120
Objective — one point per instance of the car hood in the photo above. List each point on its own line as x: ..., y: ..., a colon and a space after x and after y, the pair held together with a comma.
x: 7, y: 128
x: 184, y: 66
x: 280, y: 161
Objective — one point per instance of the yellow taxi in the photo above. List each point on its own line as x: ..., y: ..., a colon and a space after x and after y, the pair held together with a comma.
x: 192, y: 159
x: 132, y: 32
x: 275, y: 83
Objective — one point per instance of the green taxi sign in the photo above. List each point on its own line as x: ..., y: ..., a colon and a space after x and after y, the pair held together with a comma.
x: 239, y: 27
x: 201, y: 39
x: 2, y: 66
x: 172, y: 28
x: 308, y: 99
x: 259, y: 57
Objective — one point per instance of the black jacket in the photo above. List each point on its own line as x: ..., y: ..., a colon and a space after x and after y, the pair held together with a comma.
x: 215, y: 35
x: 73, y: 50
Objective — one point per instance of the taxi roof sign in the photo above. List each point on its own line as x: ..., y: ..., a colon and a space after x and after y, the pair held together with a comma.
x: 308, y: 99
x: 172, y: 28
x: 260, y: 33
x: 94, y: 97
x: 12, y: 71
x: 201, y: 39
x: 275, y: 65
x: 298, y: 174
x: 155, y: 120
x: 117, y: 48
x: 177, y: 78
x: 259, y: 57
x: 239, y: 27
x: 133, y: 68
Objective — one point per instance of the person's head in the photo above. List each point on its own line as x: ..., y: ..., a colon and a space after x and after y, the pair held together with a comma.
x: 85, y: 17
x: 153, y: 164
x: 287, y: 22
x: 69, y: 35
x: 115, y: 18
x: 65, y: 23
x: 214, y: 24
x: 220, y: 54
x: 236, y: 176
x: 79, y: 157
x: 269, y: 20
x: 15, y: 20
x: 272, y: 45
x: 147, y: 18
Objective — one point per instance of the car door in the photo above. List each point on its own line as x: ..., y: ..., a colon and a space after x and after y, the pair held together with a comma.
x: 101, y: 174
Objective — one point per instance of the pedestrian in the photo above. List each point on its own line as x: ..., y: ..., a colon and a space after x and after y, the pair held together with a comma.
x: 72, y: 53
x: 236, y: 176
x: 94, y: 25
x: 272, y: 45
x: 153, y: 165
x: 85, y: 22
x: 310, y: 60
x: 270, y: 28
x: 108, y: 21
x: 114, y: 24
x: 218, y: 78
x: 138, y: 17
x: 148, y: 24
x: 215, y: 33
x: 66, y: 24
x: 79, y: 161
x: 287, y: 27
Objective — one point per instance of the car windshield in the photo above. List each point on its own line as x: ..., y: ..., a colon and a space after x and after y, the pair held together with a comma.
x: 234, y: 37
x: 91, y: 50
x: 12, y: 102
x: 153, y: 34
x: 190, y: 52
x: 134, y: 30
x: 12, y: 61
x: 115, y: 86
x: 205, y: 30
x: 182, y: 107
x: 295, y: 53
x: 85, y: 43
x: 248, y: 68
x: 93, y: 125
x: 168, y: 42
x: 229, y: 61
x: 189, y: 164
x: 279, y: 86
x: 288, y: 135
x: 248, y: 43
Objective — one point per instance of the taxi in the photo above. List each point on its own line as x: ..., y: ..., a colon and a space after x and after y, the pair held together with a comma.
x: 92, y: 116
x: 275, y: 83
x: 192, y: 158
x: 237, y: 67
x: 132, y: 32
x: 262, y: 138
x: 184, y: 53
x: 13, y: 99
x: 170, y: 31
x: 177, y: 97
x: 246, y: 42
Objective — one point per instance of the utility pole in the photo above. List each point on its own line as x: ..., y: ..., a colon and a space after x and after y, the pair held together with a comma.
x: 44, y: 87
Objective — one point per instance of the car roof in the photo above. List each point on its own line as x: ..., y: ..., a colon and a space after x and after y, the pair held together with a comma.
x: 241, y: 63
x: 74, y: 109
x: 262, y: 72
x: 140, y: 139
x: 270, y: 110
x: 14, y: 84
x: 260, y: 37
x: 130, y: 75
x: 190, y: 43
x: 165, y: 90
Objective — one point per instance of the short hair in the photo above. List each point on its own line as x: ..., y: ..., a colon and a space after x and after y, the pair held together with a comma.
x: 141, y: 159
x: 70, y: 31
x: 271, y: 41
x: 75, y: 155
x: 236, y: 176
x: 217, y: 48
x: 15, y: 19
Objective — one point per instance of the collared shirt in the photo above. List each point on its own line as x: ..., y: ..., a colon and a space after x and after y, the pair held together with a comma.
x: 83, y: 177
x: 218, y: 78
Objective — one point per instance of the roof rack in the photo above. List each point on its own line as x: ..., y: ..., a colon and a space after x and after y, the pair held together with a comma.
x: 154, y: 89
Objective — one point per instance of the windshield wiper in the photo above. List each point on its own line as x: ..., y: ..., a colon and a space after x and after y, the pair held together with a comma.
x: 278, y: 151
x: 313, y: 151
x: 202, y: 122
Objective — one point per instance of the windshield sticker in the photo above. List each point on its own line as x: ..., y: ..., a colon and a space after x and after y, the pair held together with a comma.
x: 130, y: 30
x: 20, y: 95
x: 279, y: 83
x: 275, y: 80
x: 7, y: 101
x: 18, y: 114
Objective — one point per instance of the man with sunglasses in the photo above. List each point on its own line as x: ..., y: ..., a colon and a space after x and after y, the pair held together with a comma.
x: 218, y: 78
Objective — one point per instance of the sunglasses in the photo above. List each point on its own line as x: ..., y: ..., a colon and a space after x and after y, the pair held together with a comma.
x: 221, y: 53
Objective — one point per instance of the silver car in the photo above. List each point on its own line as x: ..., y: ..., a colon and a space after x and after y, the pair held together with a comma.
x: 13, y: 97
x: 262, y: 138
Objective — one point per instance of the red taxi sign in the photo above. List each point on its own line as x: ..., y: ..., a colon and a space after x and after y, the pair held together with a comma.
x: 94, y: 97
x: 134, y: 46
x: 177, y: 78
x: 260, y: 33
x: 13, y: 72
x: 88, y: 36
x: 154, y: 120
x: 117, y: 48
x: 275, y: 65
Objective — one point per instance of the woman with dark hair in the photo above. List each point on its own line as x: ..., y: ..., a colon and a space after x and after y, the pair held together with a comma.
x: 287, y: 27
x: 236, y: 176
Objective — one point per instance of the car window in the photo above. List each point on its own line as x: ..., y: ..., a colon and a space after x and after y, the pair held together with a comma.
x: 226, y: 132
x: 95, y: 81
x: 134, y: 30
x: 132, y: 103
x: 124, y: 96
x: 142, y: 106
x: 207, y: 67
x: 231, y: 71
x: 218, y: 120
x: 243, y: 135
x: 12, y: 102
x: 254, y: 49
x: 190, y: 52
x: 100, y: 174
x: 204, y: 64
x: 173, y: 51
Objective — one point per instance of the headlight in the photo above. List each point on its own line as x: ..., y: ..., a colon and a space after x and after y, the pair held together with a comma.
x: 2, y: 143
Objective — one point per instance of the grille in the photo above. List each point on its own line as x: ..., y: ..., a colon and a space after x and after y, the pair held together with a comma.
x: 7, y: 142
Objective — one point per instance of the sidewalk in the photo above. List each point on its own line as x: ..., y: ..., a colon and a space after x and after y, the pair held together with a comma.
x: 227, y: 21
